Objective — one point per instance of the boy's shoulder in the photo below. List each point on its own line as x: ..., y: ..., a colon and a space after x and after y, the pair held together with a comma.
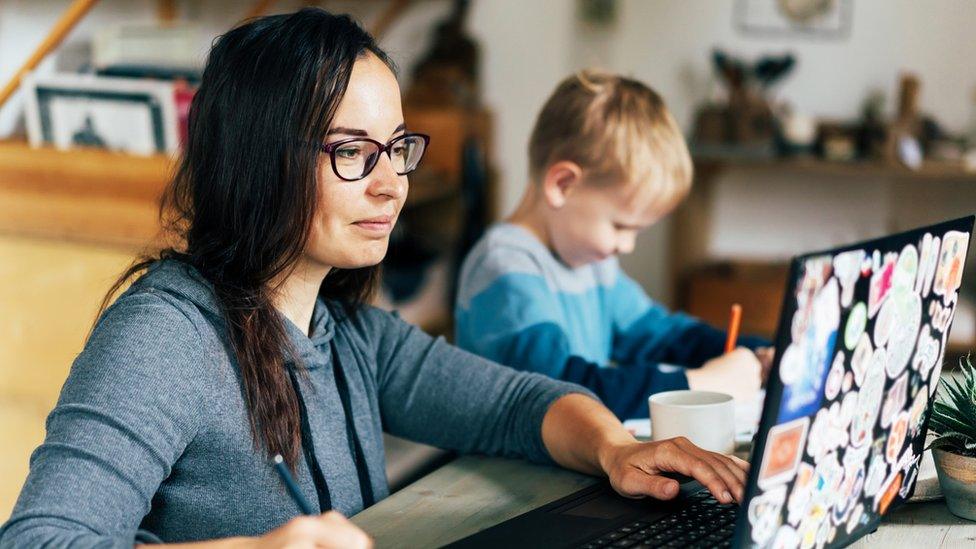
x: 507, y: 249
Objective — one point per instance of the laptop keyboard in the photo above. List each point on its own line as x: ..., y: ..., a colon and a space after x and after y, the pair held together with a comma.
x: 704, y: 523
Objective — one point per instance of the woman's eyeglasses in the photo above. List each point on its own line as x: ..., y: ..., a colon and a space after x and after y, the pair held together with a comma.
x: 353, y: 159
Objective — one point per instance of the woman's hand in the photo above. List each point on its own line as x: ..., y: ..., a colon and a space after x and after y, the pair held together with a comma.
x: 323, y: 531
x: 635, y: 469
x: 738, y: 373
x: 326, y: 531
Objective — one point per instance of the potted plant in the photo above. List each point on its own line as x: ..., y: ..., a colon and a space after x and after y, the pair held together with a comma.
x: 953, y: 422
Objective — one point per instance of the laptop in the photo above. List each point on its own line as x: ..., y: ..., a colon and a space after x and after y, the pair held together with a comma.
x: 859, y: 348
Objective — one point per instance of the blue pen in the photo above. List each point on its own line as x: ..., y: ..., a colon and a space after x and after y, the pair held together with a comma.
x: 293, y: 490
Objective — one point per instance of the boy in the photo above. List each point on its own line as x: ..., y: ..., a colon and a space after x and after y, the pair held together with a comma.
x: 544, y: 291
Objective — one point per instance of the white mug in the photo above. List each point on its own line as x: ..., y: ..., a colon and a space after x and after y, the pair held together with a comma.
x: 705, y: 418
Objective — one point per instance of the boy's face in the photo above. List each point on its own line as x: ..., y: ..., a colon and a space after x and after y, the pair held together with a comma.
x: 597, y: 221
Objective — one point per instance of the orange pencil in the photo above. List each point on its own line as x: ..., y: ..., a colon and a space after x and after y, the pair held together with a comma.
x: 733, y: 328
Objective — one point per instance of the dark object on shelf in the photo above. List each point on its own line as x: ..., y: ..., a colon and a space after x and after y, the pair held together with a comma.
x: 746, y: 120
x: 872, y: 132
x: 447, y: 73
x: 837, y: 141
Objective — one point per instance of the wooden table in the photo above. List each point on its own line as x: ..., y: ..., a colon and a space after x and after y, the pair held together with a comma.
x: 475, y: 492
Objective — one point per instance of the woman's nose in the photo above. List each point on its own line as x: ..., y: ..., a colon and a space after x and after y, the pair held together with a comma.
x: 386, y: 181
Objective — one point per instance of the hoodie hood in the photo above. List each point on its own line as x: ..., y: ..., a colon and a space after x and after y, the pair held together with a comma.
x: 185, y: 283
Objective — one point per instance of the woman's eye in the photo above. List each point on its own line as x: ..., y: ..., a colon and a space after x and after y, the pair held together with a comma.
x: 400, y: 151
x: 348, y: 153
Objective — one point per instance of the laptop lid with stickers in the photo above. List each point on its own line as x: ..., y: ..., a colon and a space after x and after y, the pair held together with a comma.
x: 859, y: 349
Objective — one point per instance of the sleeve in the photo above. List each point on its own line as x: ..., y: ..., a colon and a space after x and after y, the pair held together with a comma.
x: 517, y: 321
x: 438, y: 394
x: 645, y: 332
x: 126, y: 413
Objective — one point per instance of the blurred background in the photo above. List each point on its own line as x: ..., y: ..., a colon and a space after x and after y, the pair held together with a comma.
x: 812, y: 123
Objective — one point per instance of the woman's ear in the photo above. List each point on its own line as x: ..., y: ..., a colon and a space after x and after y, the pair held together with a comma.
x: 561, y: 179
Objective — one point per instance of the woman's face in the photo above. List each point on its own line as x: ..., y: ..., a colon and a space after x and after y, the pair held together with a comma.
x: 353, y: 220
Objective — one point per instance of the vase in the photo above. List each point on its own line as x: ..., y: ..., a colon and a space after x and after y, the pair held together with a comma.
x: 957, y: 476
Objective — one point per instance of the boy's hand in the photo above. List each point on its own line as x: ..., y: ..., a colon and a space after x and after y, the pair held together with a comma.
x: 635, y: 469
x: 738, y: 373
x: 765, y: 356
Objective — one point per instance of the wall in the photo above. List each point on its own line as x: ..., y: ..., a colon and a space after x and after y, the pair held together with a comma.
x: 528, y: 46
x: 668, y: 44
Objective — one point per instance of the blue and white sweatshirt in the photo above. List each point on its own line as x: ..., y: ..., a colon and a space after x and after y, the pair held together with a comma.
x: 593, y: 325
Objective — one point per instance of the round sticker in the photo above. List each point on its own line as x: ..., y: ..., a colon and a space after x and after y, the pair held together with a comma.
x: 856, y: 321
x: 861, y: 359
x: 835, y: 378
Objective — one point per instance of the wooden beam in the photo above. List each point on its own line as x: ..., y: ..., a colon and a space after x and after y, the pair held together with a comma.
x: 75, y: 12
x: 166, y: 10
x: 392, y: 12
x: 261, y: 7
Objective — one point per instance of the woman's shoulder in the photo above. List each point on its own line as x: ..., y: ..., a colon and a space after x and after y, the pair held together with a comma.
x: 165, y: 313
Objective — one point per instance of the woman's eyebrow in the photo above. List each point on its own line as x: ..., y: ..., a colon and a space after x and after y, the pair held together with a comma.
x: 361, y: 133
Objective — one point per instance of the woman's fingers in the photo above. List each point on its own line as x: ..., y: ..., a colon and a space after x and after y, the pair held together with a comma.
x: 712, y: 470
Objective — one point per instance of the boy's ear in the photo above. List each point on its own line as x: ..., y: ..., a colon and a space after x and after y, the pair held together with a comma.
x: 561, y: 178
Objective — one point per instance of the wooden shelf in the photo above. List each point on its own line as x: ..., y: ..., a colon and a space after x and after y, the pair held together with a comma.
x: 84, y: 195
x: 930, y: 169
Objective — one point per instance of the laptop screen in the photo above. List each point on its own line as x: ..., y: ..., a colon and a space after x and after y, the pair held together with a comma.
x: 861, y: 339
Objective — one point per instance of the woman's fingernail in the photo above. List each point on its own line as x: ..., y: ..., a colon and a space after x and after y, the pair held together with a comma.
x: 726, y: 497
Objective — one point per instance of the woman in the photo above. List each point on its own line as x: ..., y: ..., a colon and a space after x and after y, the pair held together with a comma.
x: 254, y: 339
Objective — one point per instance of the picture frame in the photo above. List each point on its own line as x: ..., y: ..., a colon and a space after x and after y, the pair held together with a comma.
x: 816, y: 19
x: 127, y: 115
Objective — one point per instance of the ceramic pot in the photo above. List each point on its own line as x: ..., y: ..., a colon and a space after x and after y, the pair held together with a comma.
x: 957, y: 476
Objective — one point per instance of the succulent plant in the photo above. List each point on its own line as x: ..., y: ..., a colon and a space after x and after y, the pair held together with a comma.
x: 953, y: 416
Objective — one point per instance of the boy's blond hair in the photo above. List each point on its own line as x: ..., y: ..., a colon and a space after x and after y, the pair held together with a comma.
x: 615, y: 128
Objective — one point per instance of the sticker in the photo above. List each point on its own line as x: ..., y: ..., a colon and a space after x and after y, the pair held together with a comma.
x: 835, y: 378
x: 889, y: 493
x: 849, y: 494
x: 877, y: 471
x: 904, y: 332
x: 896, y: 437
x: 895, y: 400
x: 816, y: 271
x: 855, y: 520
x: 847, y: 269
x: 927, y: 262
x: 801, y: 494
x: 906, y: 269
x: 880, y: 283
x: 917, y: 414
x: 764, y: 514
x: 803, y: 396
x: 856, y: 321
x: 941, y: 316
x: 948, y: 273
x: 828, y: 432
x: 811, y: 524
x: 869, y: 401
x: 861, y: 359
x: 791, y: 365
x: 927, y: 353
x: 786, y: 538
x: 784, y: 446
x: 884, y: 324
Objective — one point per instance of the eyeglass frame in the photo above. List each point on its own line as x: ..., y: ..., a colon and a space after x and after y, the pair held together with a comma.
x: 330, y: 148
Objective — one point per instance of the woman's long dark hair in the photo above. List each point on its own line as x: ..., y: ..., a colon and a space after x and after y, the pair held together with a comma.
x: 243, y: 199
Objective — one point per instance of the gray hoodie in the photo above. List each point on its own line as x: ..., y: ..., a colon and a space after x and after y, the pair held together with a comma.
x: 150, y: 436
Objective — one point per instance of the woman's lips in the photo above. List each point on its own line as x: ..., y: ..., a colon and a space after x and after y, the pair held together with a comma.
x: 376, y: 225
